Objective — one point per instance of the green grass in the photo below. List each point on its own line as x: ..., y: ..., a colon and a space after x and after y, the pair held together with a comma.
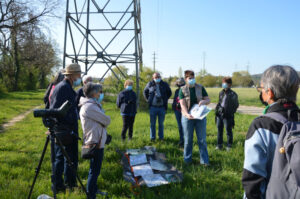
x: 15, y: 103
x: 21, y: 146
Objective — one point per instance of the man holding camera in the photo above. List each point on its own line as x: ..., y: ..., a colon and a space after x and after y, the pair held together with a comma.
x: 226, y: 107
x: 63, y: 92
x: 157, y: 93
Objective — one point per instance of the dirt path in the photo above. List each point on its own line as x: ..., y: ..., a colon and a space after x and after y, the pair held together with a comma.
x: 16, y: 119
x: 249, y: 110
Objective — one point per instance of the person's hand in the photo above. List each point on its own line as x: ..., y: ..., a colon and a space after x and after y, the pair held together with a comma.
x: 189, y: 116
x: 202, y: 102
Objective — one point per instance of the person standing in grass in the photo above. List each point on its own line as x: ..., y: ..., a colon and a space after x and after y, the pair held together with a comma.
x: 94, y: 123
x: 177, y: 109
x: 86, y: 79
x: 126, y: 101
x: 189, y: 95
x: 61, y: 93
x: 226, y: 107
x: 278, y: 91
x: 157, y: 93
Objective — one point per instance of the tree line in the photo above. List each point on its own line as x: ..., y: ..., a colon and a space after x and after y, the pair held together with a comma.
x: 27, y: 55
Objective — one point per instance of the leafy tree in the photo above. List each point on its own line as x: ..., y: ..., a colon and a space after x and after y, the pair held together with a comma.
x: 242, y: 79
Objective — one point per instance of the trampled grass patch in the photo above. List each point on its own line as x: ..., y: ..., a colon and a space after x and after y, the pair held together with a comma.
x: 21, y: 146
x: 15, y: 103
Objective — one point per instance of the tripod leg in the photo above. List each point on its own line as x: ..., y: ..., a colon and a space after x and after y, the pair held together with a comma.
x: 37, y: 170
x: 70, y: 163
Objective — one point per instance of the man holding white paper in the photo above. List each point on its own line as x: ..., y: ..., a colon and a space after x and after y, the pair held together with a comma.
x: 189, y: 95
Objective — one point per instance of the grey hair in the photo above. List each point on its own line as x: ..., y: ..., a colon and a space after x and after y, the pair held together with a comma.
x: 283, y: 80
x: 90, y: 89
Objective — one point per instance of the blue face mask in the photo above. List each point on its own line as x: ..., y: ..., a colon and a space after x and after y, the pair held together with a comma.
x: 157, y: 80
x: 224, y: 85
x: 101, y: 97
x: 129, y: 87
x: 192, y: 82
x: 77, y: 82
x: 99, y: 100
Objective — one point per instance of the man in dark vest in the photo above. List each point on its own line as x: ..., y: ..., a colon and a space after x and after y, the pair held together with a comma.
x: 63, y: 92
x: 226, y: 107
x: 157, y: 93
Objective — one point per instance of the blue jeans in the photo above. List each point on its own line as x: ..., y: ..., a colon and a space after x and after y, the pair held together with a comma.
x: 178, y: 118
x: 188, y: 131
x: 95, y: 167
x: 154, y: 113
x: 60, y: 164
x: 228, y: 122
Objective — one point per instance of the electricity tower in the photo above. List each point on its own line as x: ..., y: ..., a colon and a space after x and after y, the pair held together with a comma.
x: 104, y: 34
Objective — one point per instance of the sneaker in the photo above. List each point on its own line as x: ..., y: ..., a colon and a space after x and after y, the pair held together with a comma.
x: 228, y: 148
x: 205, y: 164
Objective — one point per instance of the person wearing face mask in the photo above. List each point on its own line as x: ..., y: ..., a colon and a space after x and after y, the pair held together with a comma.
x: 94, y: 123
x: 62, y: 92
x: 189, y: 95
x: 126, y: 101
x: 177, y: 109
x: 278, y: 90
x: 86, y: 79
x: 225, y: 109
x: 157, y: 93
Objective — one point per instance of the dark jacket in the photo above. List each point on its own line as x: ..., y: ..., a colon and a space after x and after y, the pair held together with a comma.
x: 150, y: 89
x: 63, y: 92
x: 46, y: 96
x: 174, y: 104
x: 259, y: 149
x: 126, y: 101
x: 79, y: 94
x: 231, y: 104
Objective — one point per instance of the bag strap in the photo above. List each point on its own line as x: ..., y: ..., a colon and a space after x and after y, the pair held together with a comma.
x: 277, y: 117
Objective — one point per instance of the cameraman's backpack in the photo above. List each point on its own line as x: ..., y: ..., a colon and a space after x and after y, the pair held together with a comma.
x: 284, y: 182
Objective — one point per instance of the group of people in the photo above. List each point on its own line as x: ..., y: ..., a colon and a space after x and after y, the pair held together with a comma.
x: 278, y: 90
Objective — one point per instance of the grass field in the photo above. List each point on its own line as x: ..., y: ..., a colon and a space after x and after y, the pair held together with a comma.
x: 14, y: 103
x: 21, y: 146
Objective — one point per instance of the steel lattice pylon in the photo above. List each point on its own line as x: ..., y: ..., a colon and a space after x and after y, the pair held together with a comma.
x: 98, y: 34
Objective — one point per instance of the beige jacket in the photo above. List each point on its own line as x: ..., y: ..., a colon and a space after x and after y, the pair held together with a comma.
x: 93, y: 122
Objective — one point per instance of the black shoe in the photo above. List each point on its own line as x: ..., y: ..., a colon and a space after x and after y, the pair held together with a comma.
x: 152, y: 140
x: 59, y: 189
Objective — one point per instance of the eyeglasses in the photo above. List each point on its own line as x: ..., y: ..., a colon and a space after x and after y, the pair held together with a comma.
x: 259, y: 88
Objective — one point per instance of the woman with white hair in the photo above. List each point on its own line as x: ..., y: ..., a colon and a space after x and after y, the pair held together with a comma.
x: 94, y: 123
x: 278, y: 90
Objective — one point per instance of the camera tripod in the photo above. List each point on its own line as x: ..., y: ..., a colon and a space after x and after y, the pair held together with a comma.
x: 69, y: 162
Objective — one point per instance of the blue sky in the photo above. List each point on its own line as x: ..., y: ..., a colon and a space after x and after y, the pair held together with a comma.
x: 232, y: 33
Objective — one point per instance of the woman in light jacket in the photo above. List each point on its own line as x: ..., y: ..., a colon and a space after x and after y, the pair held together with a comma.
x: 94, y: 123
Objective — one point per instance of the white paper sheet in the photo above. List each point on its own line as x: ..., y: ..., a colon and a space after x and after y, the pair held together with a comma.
x: 199, y: 112
x: 142, y: 170
x: 154, y: 180
x: 137, y: 159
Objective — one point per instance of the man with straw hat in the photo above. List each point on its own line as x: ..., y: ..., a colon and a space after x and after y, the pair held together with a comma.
x: 64, y: 91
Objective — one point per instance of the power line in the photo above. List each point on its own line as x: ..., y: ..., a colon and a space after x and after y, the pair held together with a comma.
x: 154, y: 60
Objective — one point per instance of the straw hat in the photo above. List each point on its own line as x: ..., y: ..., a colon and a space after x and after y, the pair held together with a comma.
x: 72, y: 69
